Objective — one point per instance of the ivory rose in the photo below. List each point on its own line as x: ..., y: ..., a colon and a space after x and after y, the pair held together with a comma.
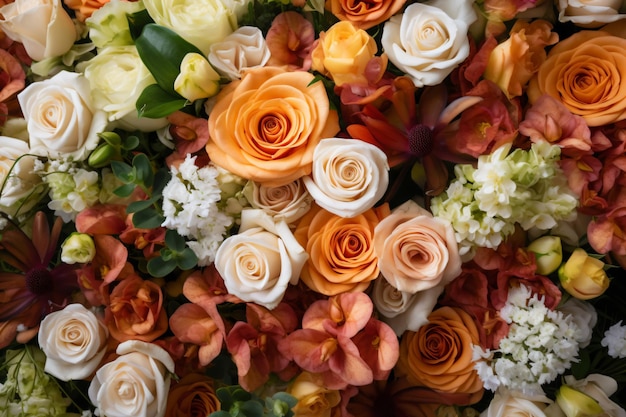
x: 590, y: 13
x: 439, y: 354
x: 135, y: 384
x: 513, y: 404
x: 343, y: 53
x: 265, y: 127
x: 74, y: 341
x: 584, y: 73
x: 341, y: 250
x: 288, y: 202
x: 20, y: 190
x: 42, y: 26
x: 349, y: 176
x: 364, y: 15
x: 192, y: 396
x: 243, y: 49
x: 415, y: 250
x: 260, y: 261
x: 428, y: 41
x: 62, y: 120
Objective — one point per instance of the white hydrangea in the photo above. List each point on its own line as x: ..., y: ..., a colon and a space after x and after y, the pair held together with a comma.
x: 192, y: 207
x: 541, y: 344
x: 524, y: 187
x: 615, y: 340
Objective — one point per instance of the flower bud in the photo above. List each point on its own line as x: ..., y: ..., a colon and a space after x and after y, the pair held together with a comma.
x: 102, y: 156
x: 577, y: 404
x: 583, y: 276
x: 197, y: 78
x: 548, y: 252
x: 78, y: 248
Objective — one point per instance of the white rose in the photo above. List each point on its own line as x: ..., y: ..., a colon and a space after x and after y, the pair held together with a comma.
x: 260, y: 261
x: 18, y: 182
x: 287, y: 202
x: 135, y: 384
x: 348, y: 177
x: 61, y: 118
x: 507, y: 403
x: 584, y: 315
x: 117, y: 76
x: 199, y: 22
x: 429, y: 40
x: 243, y: 49
x: 590, y: 13
x: 43, y: 26
x: 74, y: 341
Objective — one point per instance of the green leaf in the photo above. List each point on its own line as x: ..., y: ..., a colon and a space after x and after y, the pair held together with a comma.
x: 162, y: 51
x: 147, y: 219
x: 124, y: 190
x: 123, y: 171
x: 143, y: 170
x: 159, y: 267
x: 161, y: 178
x: 175, y: 241
x: 154, y: 102
x: 130, y: 143
x: 186, y: 259
x: 136, y: 206
x: 137, y: 21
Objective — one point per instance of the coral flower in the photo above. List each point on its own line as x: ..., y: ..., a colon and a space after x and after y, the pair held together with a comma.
x: 36, y: 287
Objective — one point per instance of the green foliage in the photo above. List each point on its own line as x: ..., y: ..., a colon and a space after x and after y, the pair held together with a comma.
x: 175, y: 254
x: 237, y: 402
x: 154, y: 102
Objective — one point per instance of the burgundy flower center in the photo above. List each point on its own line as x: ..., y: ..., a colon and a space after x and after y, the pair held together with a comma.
x: 420, y: 140
x: 39, y: 281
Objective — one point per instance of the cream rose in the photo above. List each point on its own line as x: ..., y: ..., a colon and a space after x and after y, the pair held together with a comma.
x: 415, y: 250
x: 512, y: 404
x: 243, y: 49
x: 260, y: 261
x: 117, y: 77
x: 135, y: 384
x: 584, y: 315
x: 590, y: 13
x: 62, y: 120
x: 43, y: 26
x: 348, y: 177
x: 287, y: 202
x: 74, y: 341
x: 18, y: 182
x: 428, y: 41
x: 199, y: 22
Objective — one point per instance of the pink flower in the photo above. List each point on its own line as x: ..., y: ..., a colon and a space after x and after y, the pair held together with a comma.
x: 104, y: 219
x: 290, y: 41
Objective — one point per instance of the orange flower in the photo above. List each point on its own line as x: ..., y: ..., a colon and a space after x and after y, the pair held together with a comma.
x: 362, y: 14
x: 439, y: 354
x: 341, y: 250
x: 266, y: 126
x: 136, y: 311
x: 584, y: 72
x: 192, y: 396
x: 85, y: 8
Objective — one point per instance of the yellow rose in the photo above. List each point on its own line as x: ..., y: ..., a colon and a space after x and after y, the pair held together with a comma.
x: 197, y: 78
x: 343, y: 52
x: 583, y: 276
x: 314, y: 399
x: 265, y: 127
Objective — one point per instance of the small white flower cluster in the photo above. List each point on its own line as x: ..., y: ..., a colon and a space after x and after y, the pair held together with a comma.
x: 541, y: 345
x: 615, y: 340
x: 483, y: 204
x: 72, y: 188
x: 194, y: 206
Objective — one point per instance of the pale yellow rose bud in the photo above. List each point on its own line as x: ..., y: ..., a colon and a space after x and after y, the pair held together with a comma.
x: 197, y: 78
x: 314, y: 399
x: 574, y: 403
x: 78, y: 248
x: 548, y: 253
x: 583, y: 276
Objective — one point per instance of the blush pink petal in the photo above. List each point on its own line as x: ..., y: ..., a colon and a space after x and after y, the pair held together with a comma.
x: 106, y: 219
x: 191, y: 323
x: 346, y: 314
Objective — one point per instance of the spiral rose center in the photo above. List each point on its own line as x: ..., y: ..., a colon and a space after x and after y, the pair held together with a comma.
x: 39, y: 281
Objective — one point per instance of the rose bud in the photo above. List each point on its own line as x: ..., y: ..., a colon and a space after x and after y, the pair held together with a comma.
x: 583, y: 276
x: 78, y: 248
x: 548, y: 253
x: 575, y: 403
x: 197, y: 78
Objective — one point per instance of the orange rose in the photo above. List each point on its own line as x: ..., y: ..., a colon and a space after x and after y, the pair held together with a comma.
x: 136, y: 311
x: 192, y: 396
x: 266, y: 126
x: 362, y: 14
x: 341, y: 250
x: 585, y: 72
x: 439, y: 354
x: 513, y: 62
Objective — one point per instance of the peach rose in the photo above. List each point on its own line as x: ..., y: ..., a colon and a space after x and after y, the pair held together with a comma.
x: 584, y: 72
x: 193, y: 395
x: 341, y: 250
x: 136, y: 311
x: 265, y: 127
x: 416, y: 251
x: 364, y: 15
x: 439, y: 354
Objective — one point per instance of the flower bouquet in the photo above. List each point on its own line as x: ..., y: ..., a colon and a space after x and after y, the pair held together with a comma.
x: 312, y: 208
